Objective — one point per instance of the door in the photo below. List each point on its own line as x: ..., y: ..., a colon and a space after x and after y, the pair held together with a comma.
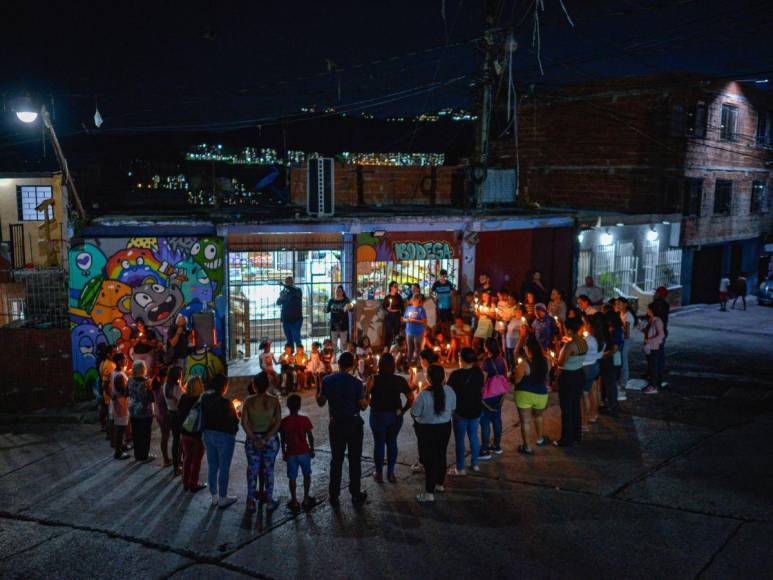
x: 706, y: 273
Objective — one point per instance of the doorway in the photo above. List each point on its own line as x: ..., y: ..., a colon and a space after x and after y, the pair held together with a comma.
x: 706, y: 273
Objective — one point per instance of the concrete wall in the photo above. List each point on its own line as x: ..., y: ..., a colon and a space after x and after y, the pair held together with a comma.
x: 386, y: 185
x: 9, y: 214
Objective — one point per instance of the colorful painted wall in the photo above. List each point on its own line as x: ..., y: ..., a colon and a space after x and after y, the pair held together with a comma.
x: 114, y: 281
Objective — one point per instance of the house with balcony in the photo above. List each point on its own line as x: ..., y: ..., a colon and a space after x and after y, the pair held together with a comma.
x: 669, y: 177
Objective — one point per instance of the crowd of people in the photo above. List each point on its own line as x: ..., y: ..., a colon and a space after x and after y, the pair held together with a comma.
x: 452, y: 377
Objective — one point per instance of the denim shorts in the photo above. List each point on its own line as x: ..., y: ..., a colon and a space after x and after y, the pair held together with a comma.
x: 591, y: 374
x: 298, y: 461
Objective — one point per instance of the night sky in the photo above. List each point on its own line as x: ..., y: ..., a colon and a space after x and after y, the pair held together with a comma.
x: 221, y: 65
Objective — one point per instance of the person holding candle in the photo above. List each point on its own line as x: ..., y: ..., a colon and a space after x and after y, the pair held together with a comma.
x: 315, y: 368
x: 461, y: 337
x: 570, y: 383
x: 219, y: 425
x: 595, y: 338
x: 399, y: 350
x: 557, y: 306
x: 119, y: 406
x: 287, y: 368
x: 415, y: 319
x: 300, y: 361
x: 485, y: 313
x: 531, y: 393
x: 339, y: 307
x: 544, y: 326
x: 494, y: 365
x: 173, y: 392
x: 467, y: 383
x: 393, y: 308
x: 386, y: 415
x: 190, y: 441
x: 654, y: 335
x: 432, y: 414
x: 346, y: 397
x: 141, y: 410
x: 467, y: 309
x: 261, y: 417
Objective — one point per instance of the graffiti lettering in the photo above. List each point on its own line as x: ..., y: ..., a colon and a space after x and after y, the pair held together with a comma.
x: 423, y: 251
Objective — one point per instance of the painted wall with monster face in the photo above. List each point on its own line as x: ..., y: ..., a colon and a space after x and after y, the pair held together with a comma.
x: 115, y: 281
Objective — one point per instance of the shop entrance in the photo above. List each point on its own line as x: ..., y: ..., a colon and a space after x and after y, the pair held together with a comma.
x: 257, y: 268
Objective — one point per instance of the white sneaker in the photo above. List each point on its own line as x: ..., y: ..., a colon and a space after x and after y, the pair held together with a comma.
x: 425, y: 497
x: 456, y: 472
x: 214, y: 500
x: 475, y: 468
x: 226, y: 501
x: 417, y: 467
x: 440, y: 488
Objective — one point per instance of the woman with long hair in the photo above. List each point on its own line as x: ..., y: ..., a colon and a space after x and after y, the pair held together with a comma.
x: 219, y: 424
x: 190, y: 441
x: 531, y: 393
x: 485, y: 312
x: 570, y: 382
x: 595, y: 338
x: 491, y: 417
x: 654, y: 335
x: 386, y: 415
x: 338, y: 307
x: 432, y: 413
x: 393, y: 309
x: 261, y: 416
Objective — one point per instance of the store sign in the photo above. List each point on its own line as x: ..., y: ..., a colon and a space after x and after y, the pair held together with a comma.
x: 422, y: 251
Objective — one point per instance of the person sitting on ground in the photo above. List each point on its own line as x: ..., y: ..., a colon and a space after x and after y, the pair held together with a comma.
x: 287, y: 369
x: 301, y: 362
x: 315, y: 368
x: 266, y: 360
x: 326, y: 356
x: 399, y: 351
x: 461, y: 337
x: 297, y: 451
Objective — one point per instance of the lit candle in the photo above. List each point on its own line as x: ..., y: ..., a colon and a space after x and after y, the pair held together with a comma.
x: 414, y: 369
x: 553, y: 354
x: 448, y: 345
x: 237, y: 404
x: 520, y: 360
x: 556, y: 318
x: 437, y: 349
x: 420, y: 385
x: 523, y: 320
x: 585, y: 334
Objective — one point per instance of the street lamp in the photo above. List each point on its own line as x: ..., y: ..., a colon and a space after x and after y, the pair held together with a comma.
x: 26, y: 113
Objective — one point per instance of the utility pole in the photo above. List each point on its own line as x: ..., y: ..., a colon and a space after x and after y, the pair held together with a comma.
x: 480, y: 167
x: 70, y: 183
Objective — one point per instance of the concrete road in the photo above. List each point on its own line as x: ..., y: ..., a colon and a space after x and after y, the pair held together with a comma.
x: 680, y: 486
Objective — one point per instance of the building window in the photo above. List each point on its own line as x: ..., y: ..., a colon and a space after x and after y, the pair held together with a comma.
x: 16, y: 307
x: 728, y: 123
x: 764, y: 133
x: 759, y: 202
x: 723, y: 194
x: 693, y: 197
x: 29, y: 197
x: 698, y: 117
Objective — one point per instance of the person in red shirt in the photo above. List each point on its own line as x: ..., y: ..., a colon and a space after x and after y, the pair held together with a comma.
x: 297, y: 451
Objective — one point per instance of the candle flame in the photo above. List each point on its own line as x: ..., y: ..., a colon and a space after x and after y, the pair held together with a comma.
x: 236, y: 403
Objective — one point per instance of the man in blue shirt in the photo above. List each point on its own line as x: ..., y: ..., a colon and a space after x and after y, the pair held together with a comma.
x: 346, y: 397
x: 443, y: 291
x: 544, y: 326
x: 291, y: 315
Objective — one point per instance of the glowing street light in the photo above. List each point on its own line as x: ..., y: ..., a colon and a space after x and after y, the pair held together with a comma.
x: 25, y: 111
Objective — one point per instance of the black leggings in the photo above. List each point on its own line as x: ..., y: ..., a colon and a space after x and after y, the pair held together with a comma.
x: 433, y: 443
x: 570, y: 385
x: 391, y: 327
x: 141, y: 427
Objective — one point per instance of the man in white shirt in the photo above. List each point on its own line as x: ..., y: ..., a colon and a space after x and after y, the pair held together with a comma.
x: 724, y: 285
x: 593, y: 292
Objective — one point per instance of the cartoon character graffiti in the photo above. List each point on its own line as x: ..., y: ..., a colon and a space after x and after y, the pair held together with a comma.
x: 209, y: 253
x: 154, y: 303
x: 86, y: 261
x: 114, y: 282
x: 86, y: 340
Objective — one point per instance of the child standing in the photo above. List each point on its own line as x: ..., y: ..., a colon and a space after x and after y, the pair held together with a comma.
x: 327, y: 356
x: 297, y: 451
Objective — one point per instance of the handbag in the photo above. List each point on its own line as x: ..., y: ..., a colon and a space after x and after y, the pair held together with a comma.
x: 495, y: 385
x: 193, y: 422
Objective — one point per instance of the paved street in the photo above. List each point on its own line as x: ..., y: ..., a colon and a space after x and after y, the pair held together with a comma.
x: 679, y: 486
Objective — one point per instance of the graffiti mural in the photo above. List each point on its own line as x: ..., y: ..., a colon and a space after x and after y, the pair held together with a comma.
x: 161, y: 282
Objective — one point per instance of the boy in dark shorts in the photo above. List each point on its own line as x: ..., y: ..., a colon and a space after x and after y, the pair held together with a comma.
x: 297, y: 451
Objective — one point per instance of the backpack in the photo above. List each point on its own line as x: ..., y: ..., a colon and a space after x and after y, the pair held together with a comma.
x: 193, y: 422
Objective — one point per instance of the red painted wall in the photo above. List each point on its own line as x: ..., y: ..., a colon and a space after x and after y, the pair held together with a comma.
x: 508, y: 256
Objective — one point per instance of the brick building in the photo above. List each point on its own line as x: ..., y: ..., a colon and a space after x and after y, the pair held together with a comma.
x: 690, y: 153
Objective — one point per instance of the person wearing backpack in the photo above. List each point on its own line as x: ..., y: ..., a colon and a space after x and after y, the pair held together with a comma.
x: 494, y: 390
x: 291, y: 316
x: 190, y: 434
